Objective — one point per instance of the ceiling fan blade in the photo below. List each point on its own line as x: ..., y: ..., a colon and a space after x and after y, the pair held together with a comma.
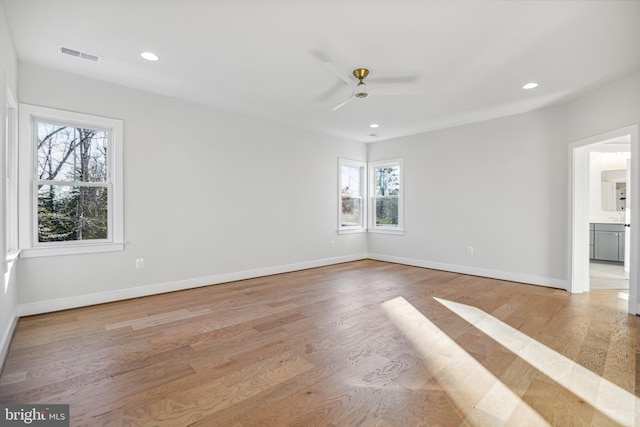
x: 324, y: 59
x: 398, y: 90
x: 338, y: 72
x: 342, y: 103
x: 320, y: 55
x: 394, y: 80
x: 329, y: 93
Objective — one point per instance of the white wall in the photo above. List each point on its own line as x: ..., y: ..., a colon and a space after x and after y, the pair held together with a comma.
x: 209, y: 196
x: 8, y: 299
x: 612, y: 106
x: 499, y: 186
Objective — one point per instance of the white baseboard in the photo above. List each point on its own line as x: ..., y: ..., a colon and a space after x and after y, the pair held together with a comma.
x: 6, y: 338
x: 141, y: 291
x: 158, y: 288
x: 473, y: 271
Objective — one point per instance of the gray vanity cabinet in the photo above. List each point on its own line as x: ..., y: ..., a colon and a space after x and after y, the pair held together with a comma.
x: 592, y: 241
x: 609, y: 242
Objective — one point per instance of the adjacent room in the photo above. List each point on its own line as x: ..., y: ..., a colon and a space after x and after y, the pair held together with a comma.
x: 355, y: 213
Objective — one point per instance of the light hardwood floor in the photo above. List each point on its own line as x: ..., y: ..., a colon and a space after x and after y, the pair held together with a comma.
x: 365, y: 343
x: 607, y: 275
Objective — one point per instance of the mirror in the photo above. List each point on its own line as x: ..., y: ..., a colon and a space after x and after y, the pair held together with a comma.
x: 614, y: 190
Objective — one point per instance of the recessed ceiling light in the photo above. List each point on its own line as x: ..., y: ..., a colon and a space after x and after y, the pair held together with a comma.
x: 149, y: 56
x: 374, y: 125
x: 530, y: 85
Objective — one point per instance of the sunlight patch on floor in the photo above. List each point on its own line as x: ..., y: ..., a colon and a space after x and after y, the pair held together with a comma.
x: 477, y: 393
x: 605, y: 396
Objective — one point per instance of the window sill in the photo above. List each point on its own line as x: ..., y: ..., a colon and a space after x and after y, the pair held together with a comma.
x: 72, y: 250
x: 352, y: 230
x: 397, y: 231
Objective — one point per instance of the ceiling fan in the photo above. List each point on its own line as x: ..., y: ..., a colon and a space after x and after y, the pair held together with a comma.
x: 382, y: 86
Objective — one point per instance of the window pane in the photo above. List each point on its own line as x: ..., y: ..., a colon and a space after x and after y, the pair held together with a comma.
x: 387, y: 181
x: 67, y: 213
x: 387, y: 211
x: 350, y: 181
x: 71, y: 153
x: 351, y: 212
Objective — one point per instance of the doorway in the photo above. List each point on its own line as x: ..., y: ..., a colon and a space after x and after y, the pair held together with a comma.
x: 609, y: 167
x: 581, y: 216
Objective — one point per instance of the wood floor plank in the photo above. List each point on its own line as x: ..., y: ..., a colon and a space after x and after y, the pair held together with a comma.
x: 318, y: 347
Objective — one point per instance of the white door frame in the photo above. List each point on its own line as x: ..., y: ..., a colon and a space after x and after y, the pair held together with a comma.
x: 578, y: 236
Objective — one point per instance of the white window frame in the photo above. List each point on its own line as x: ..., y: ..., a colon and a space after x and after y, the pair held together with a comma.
x: 28, y: 203
x: 10, y: 184
x: 375, y: 228
x: 362, y: 227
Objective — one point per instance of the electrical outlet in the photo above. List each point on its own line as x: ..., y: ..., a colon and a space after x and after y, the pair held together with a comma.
x: 470, y: 250
x: 333, y: 244
x: 139, y: 262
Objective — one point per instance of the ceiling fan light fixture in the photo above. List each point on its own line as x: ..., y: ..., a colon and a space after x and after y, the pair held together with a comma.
x: 361, y: 90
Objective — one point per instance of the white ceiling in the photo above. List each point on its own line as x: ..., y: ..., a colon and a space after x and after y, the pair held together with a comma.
x: 261, y: 58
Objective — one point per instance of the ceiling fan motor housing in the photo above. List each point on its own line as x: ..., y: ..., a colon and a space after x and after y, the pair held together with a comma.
x: 360, y: 73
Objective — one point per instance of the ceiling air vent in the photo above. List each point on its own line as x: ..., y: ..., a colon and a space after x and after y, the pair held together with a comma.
x: 78, y: 54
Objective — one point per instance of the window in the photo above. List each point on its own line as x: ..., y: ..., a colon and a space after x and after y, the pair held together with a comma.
x: 352, y: 203
x: 385, y: 182
x: 71, y: 165
x: 384, y: 186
